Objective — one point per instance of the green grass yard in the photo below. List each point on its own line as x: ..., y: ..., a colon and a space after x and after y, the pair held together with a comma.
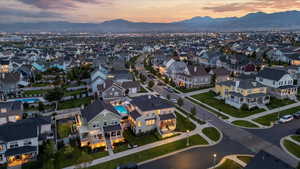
x: 292, y: 147
x: 245, y: 159
x: 208, y: 109
x: 152, y: 153
x: 74, y: 103
x: 183, y: 124
x: 266, y: 120
x: 212, y: 133
x: 208, y: 98
x: 275, y: 103
x: 244, y: 123
x: 296, y: 138
x: 229, y: 164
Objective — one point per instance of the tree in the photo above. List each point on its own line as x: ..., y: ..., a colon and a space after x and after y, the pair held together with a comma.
x: 193, y: 111
x: 41, y: 107
x: 298, y: 166
x: 180, y: 102
x: 245, y: 107
x: 168, y: 97
x: 55, y: 95
x: 150, y: 84
x: 48, y: 150
x: 49, y: 164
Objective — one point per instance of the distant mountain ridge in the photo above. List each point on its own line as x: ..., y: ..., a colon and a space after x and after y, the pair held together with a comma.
x: 252, y: 21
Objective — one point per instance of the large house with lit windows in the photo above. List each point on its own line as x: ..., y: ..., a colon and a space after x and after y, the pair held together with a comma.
x: 149, y: 113
x: 279, y: 82
x: 243, y: 92
x: 99, y: 125
x: 10, y: 111
x: 18, y: 143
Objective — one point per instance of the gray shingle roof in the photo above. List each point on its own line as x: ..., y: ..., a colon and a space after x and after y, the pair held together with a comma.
x: 95, y: 108
x: 148, y: 103
x: 271, y: 73
x: 134, y: 114
x: 20, y: 150
x: 112, y: 128
x: 167, y: 116
x: 17, y: 131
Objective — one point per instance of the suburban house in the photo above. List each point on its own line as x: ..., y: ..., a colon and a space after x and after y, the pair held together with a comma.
x: 10, y: 111
x: 150, y: 113
x: 99, y: 125
x: 192, y: 77
x: 279, y: 82
x: 244, y: 92
x: 97, y: 78
x: 220, y: 74
x: 9, y: 82
x: 110, y: 90
x: 18, y: 143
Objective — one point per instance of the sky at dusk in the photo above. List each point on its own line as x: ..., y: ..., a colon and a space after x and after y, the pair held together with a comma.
x: 134, y: 10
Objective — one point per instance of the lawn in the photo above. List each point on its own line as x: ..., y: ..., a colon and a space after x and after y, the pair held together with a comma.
x: 188, y: 90
x: 74, y: 92
x: 152, y: 153
x: 74, y: 103
x: 292, y: 147
x: 141, y: 139
x: 212, y: 133
x: 229, y: 164
x: 39, y: 84
x: 275, y: 103
x: 143, y: 90
x: 296, y: 138
x: 209, y: 109
x: 208, y: 98
x: 64, y: 129
x: 245, y: 159
x: 266, y: 120
x: 201, y: 122
x: 35, y: 92
x: 183, y: 124
x: 244, y: 123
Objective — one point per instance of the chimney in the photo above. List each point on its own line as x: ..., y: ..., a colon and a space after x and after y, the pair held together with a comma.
x: 237, y: 84
x: 195, y: 68
x: 254, y: 84
x: 104, y: 85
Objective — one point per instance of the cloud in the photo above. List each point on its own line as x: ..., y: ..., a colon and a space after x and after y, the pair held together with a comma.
x: 60, y: 4
x: 255, y: 5
x: 8, y: 15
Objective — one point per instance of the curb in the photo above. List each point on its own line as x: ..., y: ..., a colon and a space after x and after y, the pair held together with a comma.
x: 285, y: 149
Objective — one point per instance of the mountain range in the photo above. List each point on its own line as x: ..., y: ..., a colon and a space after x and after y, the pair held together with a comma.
x: 288, y: 20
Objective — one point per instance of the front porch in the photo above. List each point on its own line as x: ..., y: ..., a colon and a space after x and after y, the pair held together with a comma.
x: 113, y: 134
x: 166, y: 123
x: 21, y: 155
x: 253, y: 100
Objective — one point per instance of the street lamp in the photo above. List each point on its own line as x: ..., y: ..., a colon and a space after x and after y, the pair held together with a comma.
x: 187, y: 140
x: 214, y: 159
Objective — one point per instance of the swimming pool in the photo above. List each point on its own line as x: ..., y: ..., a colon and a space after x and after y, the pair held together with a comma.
x: 27, y: 100
x: 121, y: 110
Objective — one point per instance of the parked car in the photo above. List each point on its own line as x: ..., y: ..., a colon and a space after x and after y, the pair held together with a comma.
x: 128, y: 166
x: 173, y: 100
x: 297, y: 115
x: 286, y: 118
x: 298, y: 131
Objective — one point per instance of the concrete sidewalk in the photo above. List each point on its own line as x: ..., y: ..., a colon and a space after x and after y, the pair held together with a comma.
x: 273, y: 111
x: 195, y: 92
x: 198, y: 131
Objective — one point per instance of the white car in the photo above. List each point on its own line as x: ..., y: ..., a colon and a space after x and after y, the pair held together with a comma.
x: 286, y: 118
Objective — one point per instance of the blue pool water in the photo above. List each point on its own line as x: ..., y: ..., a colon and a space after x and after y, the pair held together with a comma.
x: 121, y: 109
x: 28, y: 100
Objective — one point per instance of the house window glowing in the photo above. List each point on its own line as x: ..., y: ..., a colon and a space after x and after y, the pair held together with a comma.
x: 1, y: 148
x: 150, y: 122
x: 3, y: 110
x: 139, y: 124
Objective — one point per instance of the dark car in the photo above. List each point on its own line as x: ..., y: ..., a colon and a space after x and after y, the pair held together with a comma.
x: 297, y: 115
x: 298, y: 131
x: 128, y: 166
